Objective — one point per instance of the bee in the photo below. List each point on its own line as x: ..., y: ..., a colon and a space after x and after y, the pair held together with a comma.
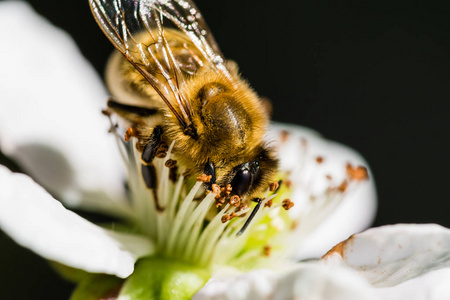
x: 169, y: 80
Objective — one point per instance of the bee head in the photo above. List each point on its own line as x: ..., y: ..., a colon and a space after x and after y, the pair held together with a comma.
x: 248, y: 178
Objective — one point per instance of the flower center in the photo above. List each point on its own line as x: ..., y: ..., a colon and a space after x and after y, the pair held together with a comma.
x: 190, y: 224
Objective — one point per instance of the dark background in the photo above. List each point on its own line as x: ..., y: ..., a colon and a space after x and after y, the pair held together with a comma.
x: 371, y: 76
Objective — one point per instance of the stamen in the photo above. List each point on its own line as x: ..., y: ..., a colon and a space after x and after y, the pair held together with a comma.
x: 170, y: 163
x: 235, y: 200
x: 225, y: 218
x: 358, y: 173
x: 225, y: 191
x: 274, y: 186
x: 216, y: 190
x: 268, y: 203
x: 287, y: 204
x: 162, y: 151
x: 243, y: 206
x: 182, y: 211
x: 129, y: 134
x: 204, y: 178
x: 343, y: 186
x: 266, y: 250
x: 220, y: 201
x: 184, y: 228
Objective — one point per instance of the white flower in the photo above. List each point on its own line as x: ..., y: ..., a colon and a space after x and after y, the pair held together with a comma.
x: 50, y: 123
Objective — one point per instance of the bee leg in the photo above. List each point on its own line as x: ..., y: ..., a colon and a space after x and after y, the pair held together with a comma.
x: 150, y: 179
x: 210, y: 170
x: 148, y: 169
x: 150, y: 149
x: 252, y: 215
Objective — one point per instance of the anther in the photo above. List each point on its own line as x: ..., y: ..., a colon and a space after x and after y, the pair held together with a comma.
x: 319, y: 159
x: 243, y: 206
x: 226, y: 190
x: 216, y: 189
x: 235, y: 200
x: 161, y: 154
x: 129, y: 134
x: 268, y: 203
x: 163, y: 147
x: 204, y: 178
x: 171, y: 163
x: 343, y: 186
x: 358, y: 173
x: 287, y: 204
x: 162, y: 151
x: 273, y: 186
x: 106, y: 112
x: 220, y: 202
x: 266, y: 250
x: 225, y: 218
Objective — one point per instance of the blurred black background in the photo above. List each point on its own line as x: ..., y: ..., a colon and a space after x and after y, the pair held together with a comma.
x: 371, y: 76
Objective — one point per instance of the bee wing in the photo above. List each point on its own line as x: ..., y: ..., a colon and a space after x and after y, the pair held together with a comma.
x: 124, y: 21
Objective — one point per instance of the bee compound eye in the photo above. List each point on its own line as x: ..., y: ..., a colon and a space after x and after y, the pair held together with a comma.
x: 241, y: 182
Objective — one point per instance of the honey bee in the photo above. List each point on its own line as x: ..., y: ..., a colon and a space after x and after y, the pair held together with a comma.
x: 170, y: 81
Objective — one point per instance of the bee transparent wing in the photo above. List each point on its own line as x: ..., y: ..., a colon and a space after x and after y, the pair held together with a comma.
x: 186, y: 16
x: 126, y: 21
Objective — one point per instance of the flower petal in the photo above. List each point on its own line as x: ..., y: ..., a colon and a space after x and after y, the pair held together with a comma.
x: 331, y: 201
x: 305, y: 281
x: 50, y: 109
x: 405, y: 261
x: 35, y: 220
x: 257, y: 284
x: 430, y: 286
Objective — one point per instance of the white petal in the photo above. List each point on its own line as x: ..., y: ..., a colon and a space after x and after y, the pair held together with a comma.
x: 431, y: 286
x: 35, y: 220
x: 405, y: 261
x: 257, y: 284
x: 50, y: 109
x: 304, y: 281
x: 316, y: 165
x: 316, y: 282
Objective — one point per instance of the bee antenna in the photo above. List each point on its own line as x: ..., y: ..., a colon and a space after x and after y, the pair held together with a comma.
x: 252, y: 215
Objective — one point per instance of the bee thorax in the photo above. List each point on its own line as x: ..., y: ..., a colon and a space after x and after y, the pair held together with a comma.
x: 225, y: 123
